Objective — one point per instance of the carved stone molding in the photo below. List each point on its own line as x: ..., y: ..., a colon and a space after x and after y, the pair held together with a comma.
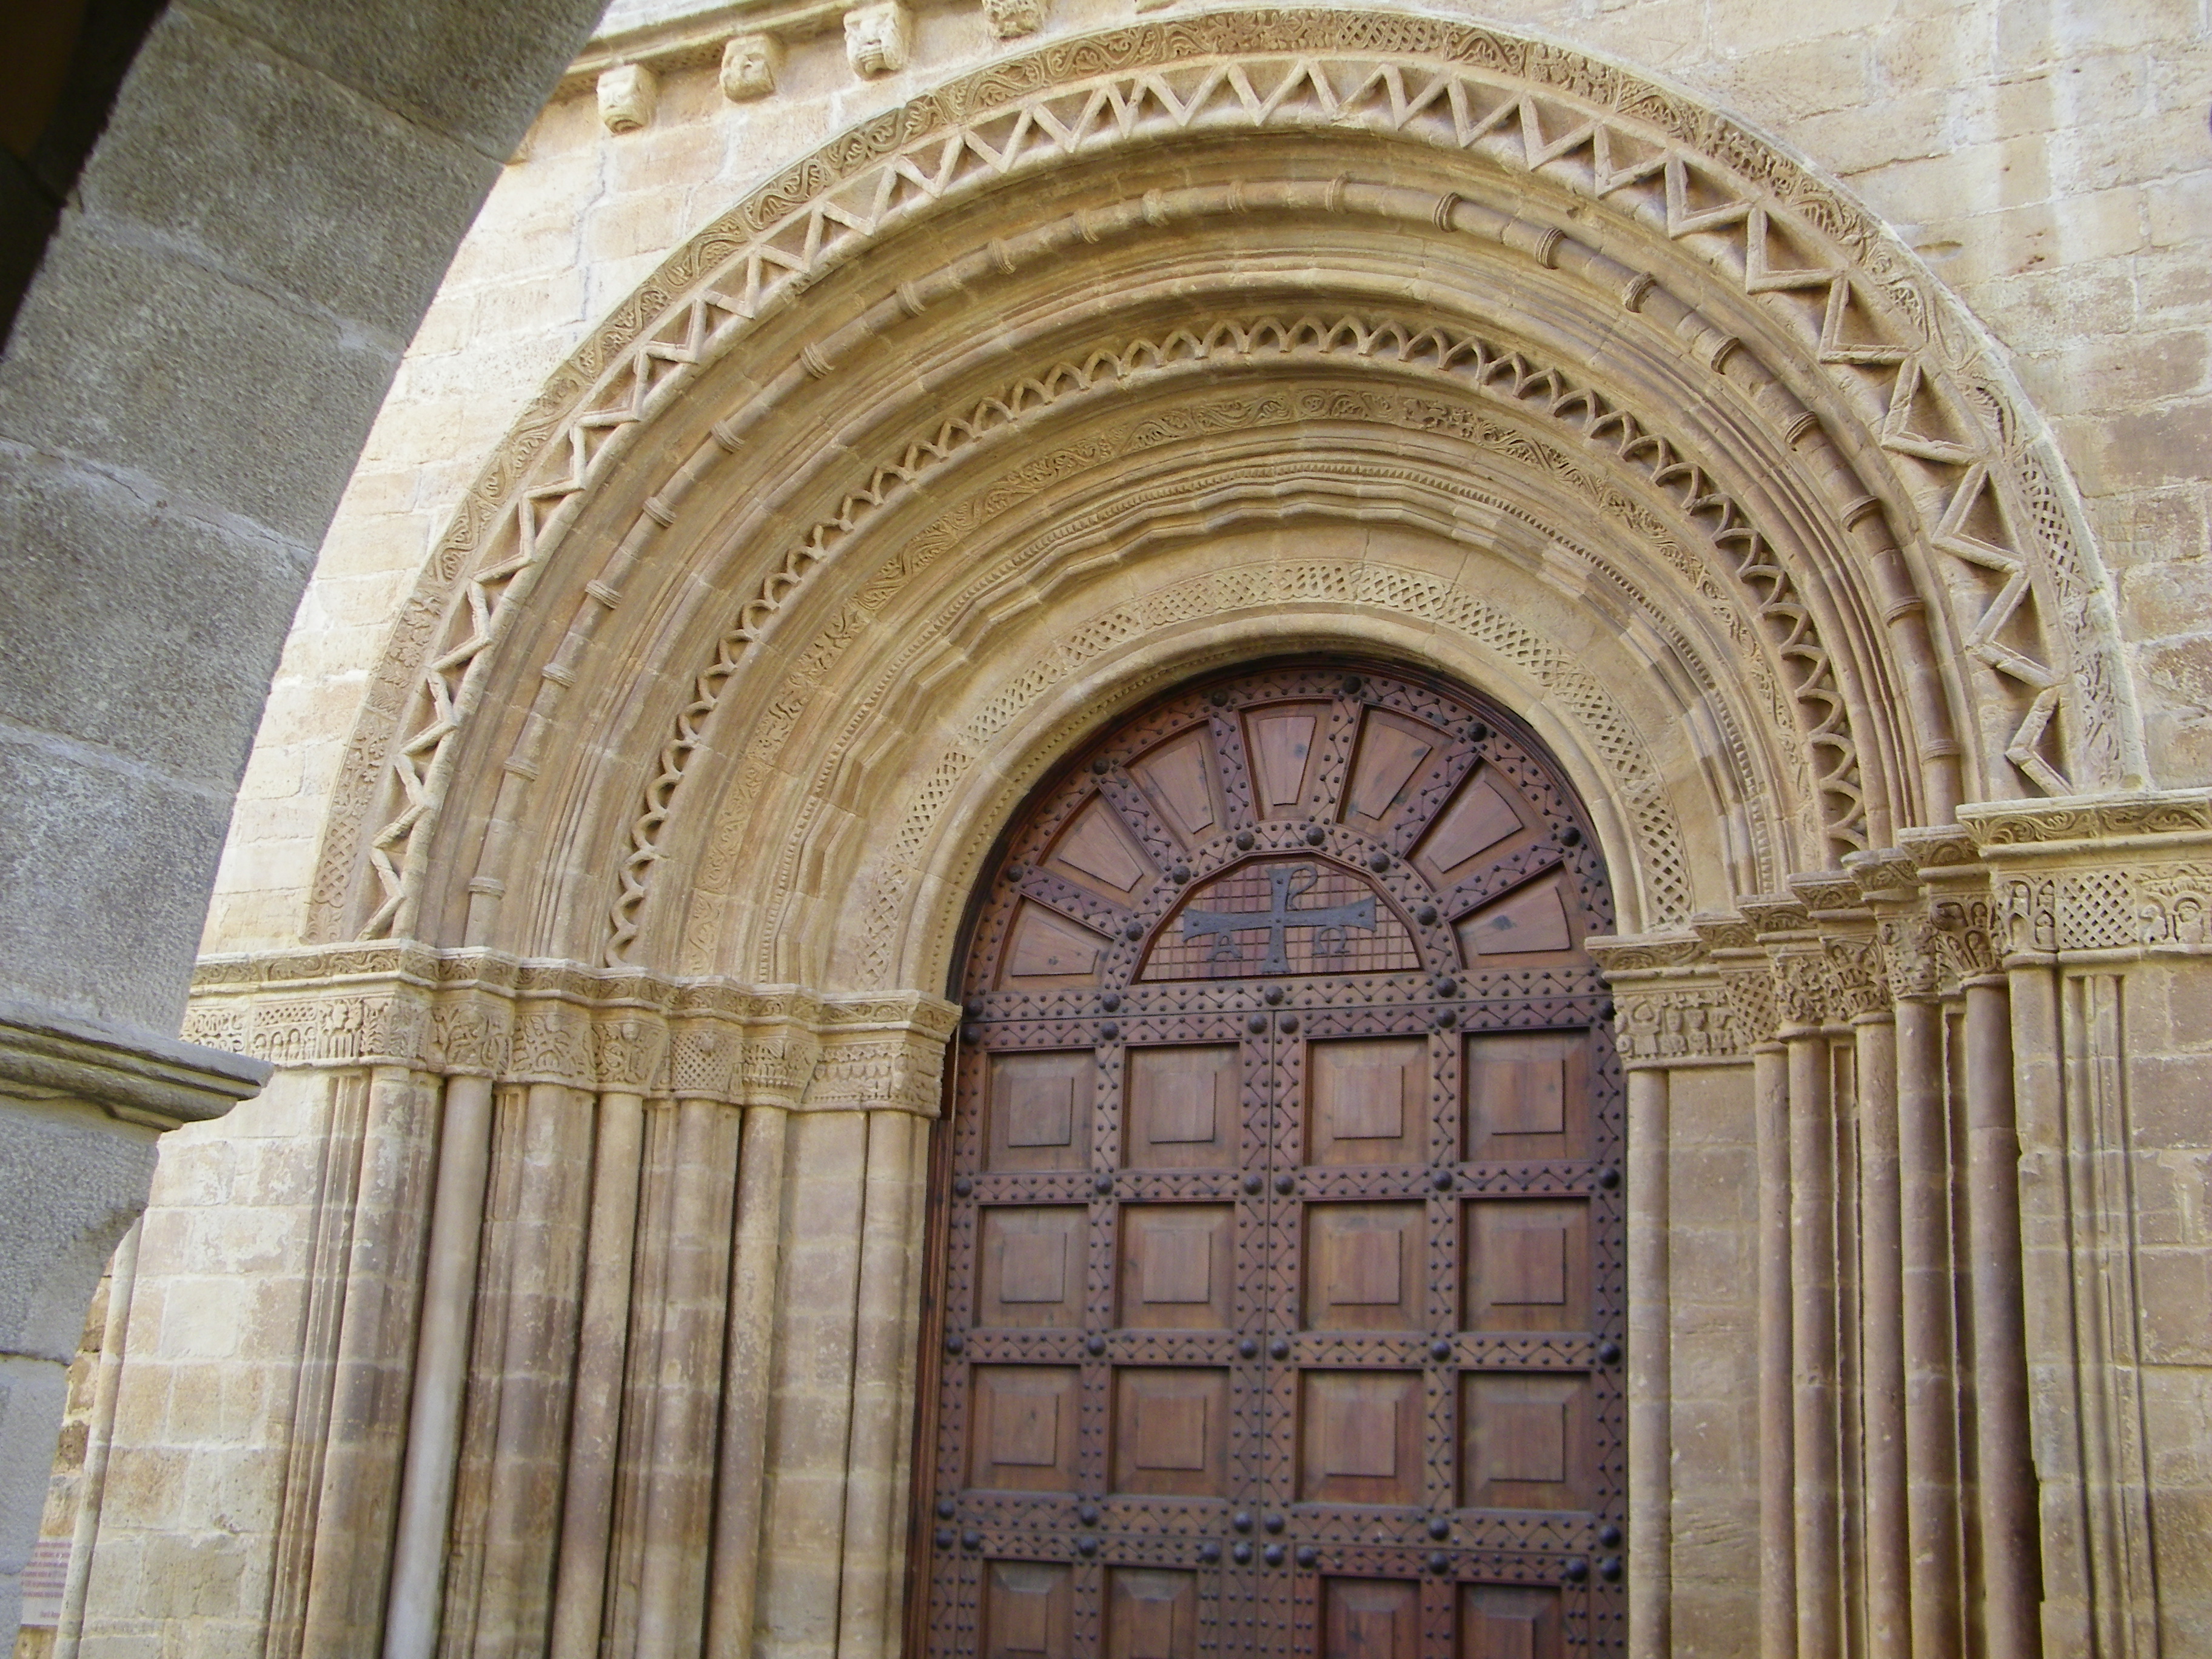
x: 133, y: 1077
x: 480, y: 1013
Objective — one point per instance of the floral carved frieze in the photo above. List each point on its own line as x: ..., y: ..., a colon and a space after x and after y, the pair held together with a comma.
x: 1854, y: 305
x: 475, y: 1013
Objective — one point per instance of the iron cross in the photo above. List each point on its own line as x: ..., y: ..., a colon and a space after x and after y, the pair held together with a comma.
x: 1221, y: 925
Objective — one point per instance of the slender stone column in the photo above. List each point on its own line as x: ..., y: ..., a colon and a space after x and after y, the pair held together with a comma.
x: 373, y: 1373
x: 1881, y: 1354
x: 441, y: 1359
x: 1777, y: 1521
x: 1931, y: 1402
x: 1650, y: 1371
x: 671, y: 1600
x: 122, y: 1279
x: 596, y: 1425
x: 1813, y: 1345
x: 2012, y: 1579
x: 865, y: 1618
x: 747, y: 1371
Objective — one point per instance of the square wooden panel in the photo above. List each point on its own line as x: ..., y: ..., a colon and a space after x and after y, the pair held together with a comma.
x: 1528, y: 1097
x: 1151, y: 1614
x: 1369, y: 1618
x: 1509, y: 1622
x: 1527, y: 1265
x: 1029, y: 1610
x: 1366, y: 1267
x: 1029, y: 1266
x: 1525, y: 1441
x: 1359, y: 1437
x: 1171, y: 1432
x: 1183, y: 1108
x: 1024, y: 1431
x: 1178, y: 1267
x: 1040, y: 1110
x: 1368, y: 1101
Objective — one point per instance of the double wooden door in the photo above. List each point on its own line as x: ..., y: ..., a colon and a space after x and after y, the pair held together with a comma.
x: 1281, y: 1255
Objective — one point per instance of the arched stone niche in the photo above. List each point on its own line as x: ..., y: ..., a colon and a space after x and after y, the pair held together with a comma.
x: 1140, y: 354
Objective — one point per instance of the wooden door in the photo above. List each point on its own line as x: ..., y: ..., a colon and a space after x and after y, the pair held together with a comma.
x: 1281, y: 1252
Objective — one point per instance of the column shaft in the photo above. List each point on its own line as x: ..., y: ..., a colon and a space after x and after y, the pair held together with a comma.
x: 602, y: 1342
x: 1813, y: 1347
x: 1777, y: 1521
x: 748, y: 1370
x: 1931, y: 1402
x: 441, y: 1361
x: 2012, y: 1579
x: 1881, y: 1318
x: 1650, y: 1387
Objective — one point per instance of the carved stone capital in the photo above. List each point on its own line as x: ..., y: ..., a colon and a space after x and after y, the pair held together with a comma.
x: 478, y: 1013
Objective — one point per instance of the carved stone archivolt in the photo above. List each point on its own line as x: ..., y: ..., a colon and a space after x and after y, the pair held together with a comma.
x: 1821, y: 340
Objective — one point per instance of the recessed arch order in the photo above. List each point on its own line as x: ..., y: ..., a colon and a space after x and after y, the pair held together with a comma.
x: 1112, y: 361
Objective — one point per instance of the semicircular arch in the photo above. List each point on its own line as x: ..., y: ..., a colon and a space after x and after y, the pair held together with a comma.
x: 1835, y: 361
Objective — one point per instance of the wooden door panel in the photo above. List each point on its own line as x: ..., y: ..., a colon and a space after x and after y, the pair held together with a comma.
x: 1361, y: 1437
x: 1026, y: 1422
x: 1499, y: 1621
x: 1527, y: 1265
x: 1371, y: 1618
x: 1368, y: 1101
x: 1040, y: 1110
x: 1032, y: 1267
x: 1280, y: 1258
x: 1029, y: 1611
x: 1177, y: 1270
x: 1365, y: 1267
x: 1171, y: 1432
x: 1528, y: 1097
x: 1151, y: 1614
x: 1525, y: 1441
x: 1181, y: 1107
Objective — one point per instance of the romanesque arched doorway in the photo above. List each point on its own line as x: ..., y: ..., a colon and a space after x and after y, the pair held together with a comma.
x: 1281, y: 1257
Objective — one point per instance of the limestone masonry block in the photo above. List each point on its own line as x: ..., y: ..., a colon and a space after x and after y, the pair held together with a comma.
x: 628, y: 94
